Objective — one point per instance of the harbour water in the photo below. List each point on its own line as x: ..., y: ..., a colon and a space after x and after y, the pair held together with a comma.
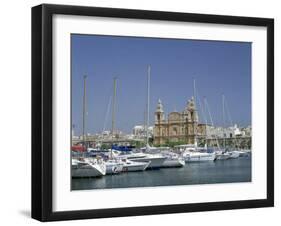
x: 209, y: 172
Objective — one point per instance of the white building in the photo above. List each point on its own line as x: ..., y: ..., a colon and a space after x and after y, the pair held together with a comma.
x: 229, y: 132
x: 140, y: 131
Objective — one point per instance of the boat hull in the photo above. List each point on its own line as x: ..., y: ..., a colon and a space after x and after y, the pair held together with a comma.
x: 222, y: 156
x: 202, y: 157
x: 234, y: 154
x: 87, y: 172
x: 113, y: 168
x: 87, y: 167
x: 134, y: 166
x: 155, y: 162
x: 169, y: 163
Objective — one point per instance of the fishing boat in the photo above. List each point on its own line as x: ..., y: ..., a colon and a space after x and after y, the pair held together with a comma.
x: 87, y: 167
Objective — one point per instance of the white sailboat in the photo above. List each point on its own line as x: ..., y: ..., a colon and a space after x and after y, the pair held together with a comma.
x: 155, y: 160
x: 234, y: 154
x: 86, y: 167
x: 113, y: 165
x: 191, y: 152
x: 237, y: 152
x: 173, y: 160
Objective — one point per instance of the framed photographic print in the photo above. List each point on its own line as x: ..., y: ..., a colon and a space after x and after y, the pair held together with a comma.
x: 145, y: 112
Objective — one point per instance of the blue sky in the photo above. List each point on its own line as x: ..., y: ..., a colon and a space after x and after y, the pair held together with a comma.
x: 218, y: 68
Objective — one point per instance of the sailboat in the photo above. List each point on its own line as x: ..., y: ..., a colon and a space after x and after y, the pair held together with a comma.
x: 87, y: 167
x: 120, y: 163
x: 82, y: 166
x: 223, y: 154
x: 191, y: 152
x: 236, y: 152
x: 113, y: 165
x: 155, y: 160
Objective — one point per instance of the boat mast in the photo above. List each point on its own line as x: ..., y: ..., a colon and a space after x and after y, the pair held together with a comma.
x: 194, y: 92
x: 84, y: 112
x: 195, y: 129
x: 147, y: 106
x: 113, y: 111
x: 211, y: 119
x: 203, y: 112
x: 223, y: 121
x: 231, y: 122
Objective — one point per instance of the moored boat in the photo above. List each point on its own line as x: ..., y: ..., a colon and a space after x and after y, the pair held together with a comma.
x: 87, y: 167
x: 155, y: 160
x: 132, y: 166
x: 113, y: 166
x: 198, y: 156
x: 172, y: 160
x: 222, y: 155
x: 234, y: 154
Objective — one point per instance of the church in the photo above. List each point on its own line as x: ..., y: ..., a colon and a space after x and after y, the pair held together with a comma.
x: 179, y: 127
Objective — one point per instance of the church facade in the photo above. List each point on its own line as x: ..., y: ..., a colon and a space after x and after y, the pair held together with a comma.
x: 180, y: 127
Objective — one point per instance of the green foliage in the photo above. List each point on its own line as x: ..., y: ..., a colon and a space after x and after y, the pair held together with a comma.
x: 105, y: 146
x: 173, y: 143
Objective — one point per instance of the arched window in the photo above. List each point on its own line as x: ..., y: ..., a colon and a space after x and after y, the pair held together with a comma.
x: 175, y: 131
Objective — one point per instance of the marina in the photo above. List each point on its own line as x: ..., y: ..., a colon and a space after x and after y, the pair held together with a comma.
x: 123, y: 166
x: 207, y: 172
x: 179, y: 149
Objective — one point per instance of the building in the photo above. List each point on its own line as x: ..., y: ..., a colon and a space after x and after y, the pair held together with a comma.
x: 139, y: 131
x: 179, y: 126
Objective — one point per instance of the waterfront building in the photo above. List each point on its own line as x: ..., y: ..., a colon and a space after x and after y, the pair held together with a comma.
x: 139, y: 131
x: 179, y: 126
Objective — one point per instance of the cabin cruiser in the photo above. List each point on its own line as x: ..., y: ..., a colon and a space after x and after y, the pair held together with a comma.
x: 234, y: 154
x: 244, y: 152
x: 155, y: 160
x: 192, y: 153
x: 222, y: 155
x: 113, y: 166
x: 87, y: 167
x: 132, y: 166
x: 196, y: 156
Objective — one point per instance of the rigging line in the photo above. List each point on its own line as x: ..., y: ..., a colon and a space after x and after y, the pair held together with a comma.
x: 107, y: 108
x: 228, y: 112
x: 203, y: 114
x: 107, y: 114
x: 211, y: 119
x: 201, y: 108
x: 231, y: 122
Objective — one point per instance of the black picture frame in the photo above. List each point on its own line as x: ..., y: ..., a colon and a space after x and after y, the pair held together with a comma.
x: 42, y: 111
